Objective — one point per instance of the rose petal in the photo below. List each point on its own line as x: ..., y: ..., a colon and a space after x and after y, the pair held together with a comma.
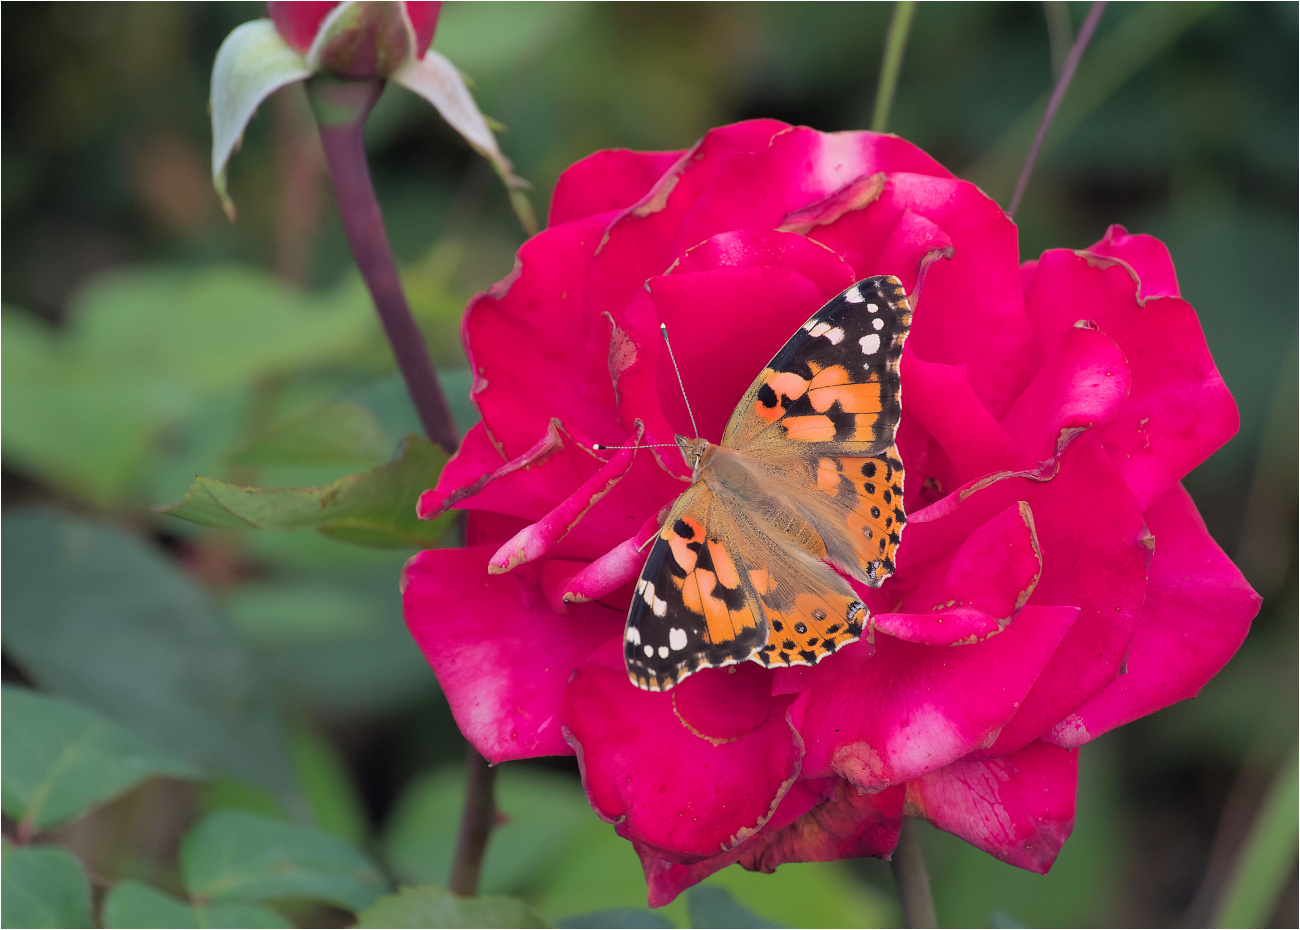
x: 957, y: 626
x: 537, y: 539
x: 779, y: 280
x: 644, y: 240
x: 979, y: 314
x: 541, y: 306
x: 527, y: 486
x: 605, y: 181
x: 1179, y: 410
x: 613, y: 569
x: 955, y: 599
x: 717, y: 771
x: 1081, y: 387
x: 1146, y: 255
x: 666, y: 879
x: 502, y: 657
x: 1198, y: 610
x: 1017, y: 807
x: 800, y: 168
x: 852, y: 823
x: 942, y: 400
x: 1092, y: 539
x: 911, y: 708
x: 464, y: 474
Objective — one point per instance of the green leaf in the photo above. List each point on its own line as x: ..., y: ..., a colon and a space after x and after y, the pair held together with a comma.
x: 430, y: 906
x: 618, y: 917
x: 76, y: 421
x: 60, y: 759
x: 214, y: 329
x: 336, y: 432
x: 374, y: 508
x: 238, y: 856
x: 543, y: 813
x: 132, y: 904
x: 96, y: 614
x: 43, y: 886
x: 327, y: 784
x: 252, y: 63
x: 715, y: 907
x: 275, y: 613
x: 86, y: 406
x: 1267, y: 857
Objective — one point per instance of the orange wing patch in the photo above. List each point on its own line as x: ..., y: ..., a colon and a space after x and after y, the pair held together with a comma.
x: 872, y: 490
x: 805, y: 629
x: 691, y: 607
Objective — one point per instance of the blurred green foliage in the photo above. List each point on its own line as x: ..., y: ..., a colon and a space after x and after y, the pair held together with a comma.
x: 146, y: 341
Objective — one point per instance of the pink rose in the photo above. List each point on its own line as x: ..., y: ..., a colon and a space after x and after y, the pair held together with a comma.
x: 362, y: 39
x: 1055, y: 580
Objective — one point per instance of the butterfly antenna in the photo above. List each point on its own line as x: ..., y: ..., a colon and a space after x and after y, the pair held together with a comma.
x: 663, y: 330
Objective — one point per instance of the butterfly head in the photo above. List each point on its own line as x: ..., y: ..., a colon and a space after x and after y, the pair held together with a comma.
x: 694, y: 451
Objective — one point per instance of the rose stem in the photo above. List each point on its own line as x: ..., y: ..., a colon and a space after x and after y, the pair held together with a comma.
x: 908, y: 866
x: 1058, y: 94
x: 895, y: 42
x: 477, y: 820
x: 341, y: 108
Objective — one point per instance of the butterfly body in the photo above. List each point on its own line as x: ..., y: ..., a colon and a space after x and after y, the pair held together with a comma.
x: 804, y: 489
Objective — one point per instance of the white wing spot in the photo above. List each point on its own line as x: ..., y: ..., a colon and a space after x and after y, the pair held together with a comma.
x: 877, y: 323
x: 660, y: 607
x: 649, y: 651
x: 870, y: 343
x: 853, y: 296
x: 677, y: 639
x: 663, y: 652
x: 872, y: 308
x: 634, y: 636
x: 836, y: 335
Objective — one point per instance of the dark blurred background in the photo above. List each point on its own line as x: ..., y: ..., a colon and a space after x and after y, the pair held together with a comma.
x: 1181, y: 122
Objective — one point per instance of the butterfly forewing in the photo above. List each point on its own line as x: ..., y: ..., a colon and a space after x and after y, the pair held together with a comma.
x: 834, y: 385
x: 692, y: 606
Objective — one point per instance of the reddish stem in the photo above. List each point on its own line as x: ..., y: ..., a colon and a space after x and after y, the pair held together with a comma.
x: 341, y: 108
x: 1058, y: 94
x: 477, y: 820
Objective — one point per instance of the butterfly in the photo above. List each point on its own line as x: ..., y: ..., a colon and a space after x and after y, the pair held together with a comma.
x: 806, y: 480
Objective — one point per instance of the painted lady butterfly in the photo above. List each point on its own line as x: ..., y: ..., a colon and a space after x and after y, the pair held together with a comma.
x: 806, y: 477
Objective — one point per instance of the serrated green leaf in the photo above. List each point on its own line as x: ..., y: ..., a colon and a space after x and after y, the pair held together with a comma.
x: 335, y: 432
x: 133, y: 904
x: 716, y: 907
x: 98, y: 615
x: 430, y: 906
x: 43, y: 886
x: 237, y: 856
x: 61, y: 759
x: 374, y: 508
